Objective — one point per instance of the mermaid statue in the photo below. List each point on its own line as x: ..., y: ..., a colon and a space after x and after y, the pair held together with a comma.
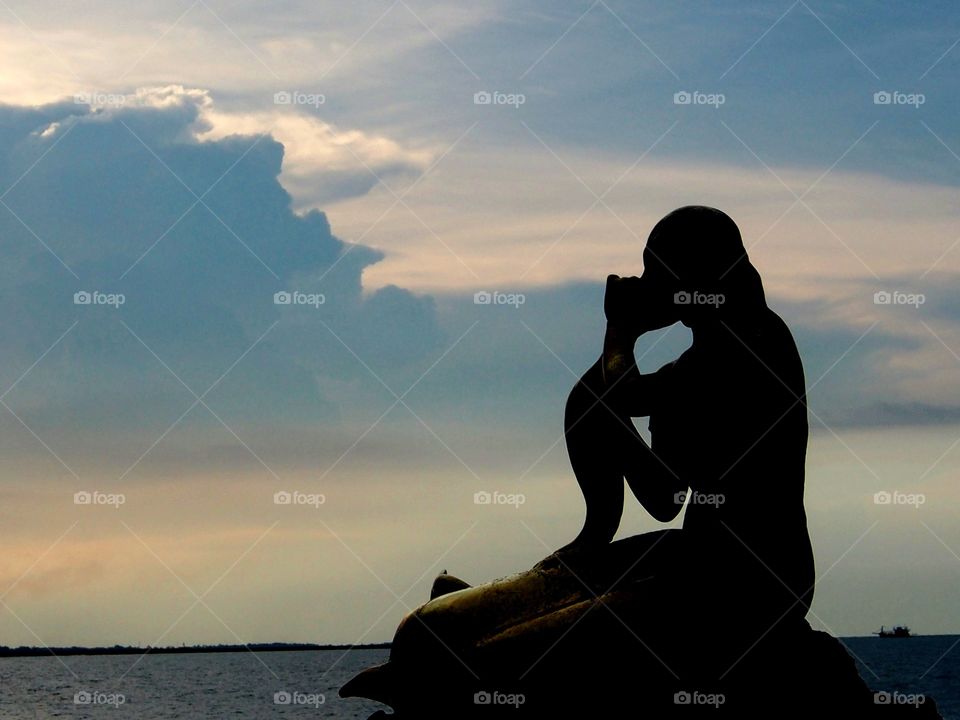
x: 709, y: 617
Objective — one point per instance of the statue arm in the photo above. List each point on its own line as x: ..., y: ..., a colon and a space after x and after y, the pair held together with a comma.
x: 657, y: 486
x: 651, y: 479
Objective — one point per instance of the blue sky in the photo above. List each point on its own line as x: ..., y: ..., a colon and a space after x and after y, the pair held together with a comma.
x: 144, y: 153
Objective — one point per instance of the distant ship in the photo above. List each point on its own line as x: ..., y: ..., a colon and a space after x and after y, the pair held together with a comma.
x: 897, y: 631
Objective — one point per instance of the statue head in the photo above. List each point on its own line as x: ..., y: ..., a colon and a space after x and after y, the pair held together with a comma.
x: 695, y: 271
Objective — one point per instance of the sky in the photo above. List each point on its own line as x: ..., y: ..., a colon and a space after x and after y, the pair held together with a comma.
x: 167, y: 169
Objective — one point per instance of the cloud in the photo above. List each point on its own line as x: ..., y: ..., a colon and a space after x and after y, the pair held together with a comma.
x: 158, y: 197
x: 323, y: 164
x: 484, y: 218
x: 197, y: 236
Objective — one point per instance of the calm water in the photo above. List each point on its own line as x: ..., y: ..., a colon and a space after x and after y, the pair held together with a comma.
x: 927, y: 665
x: 215, y: 685
x: 237, y: 684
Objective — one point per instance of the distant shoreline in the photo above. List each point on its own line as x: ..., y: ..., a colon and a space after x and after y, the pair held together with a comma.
x: 24, y: 651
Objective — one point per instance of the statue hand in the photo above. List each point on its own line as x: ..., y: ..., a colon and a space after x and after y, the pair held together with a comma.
x: 619, y: 300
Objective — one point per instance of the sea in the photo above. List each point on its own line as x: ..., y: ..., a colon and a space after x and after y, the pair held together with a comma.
x: 927, y: 665
x: 304, y: 683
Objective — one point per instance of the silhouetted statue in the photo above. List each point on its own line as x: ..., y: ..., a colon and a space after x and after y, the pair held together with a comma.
x: 728, y: 425
x: 709, y: 617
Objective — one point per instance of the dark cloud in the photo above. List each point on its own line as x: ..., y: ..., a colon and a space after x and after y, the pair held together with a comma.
x: 197, y: 237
